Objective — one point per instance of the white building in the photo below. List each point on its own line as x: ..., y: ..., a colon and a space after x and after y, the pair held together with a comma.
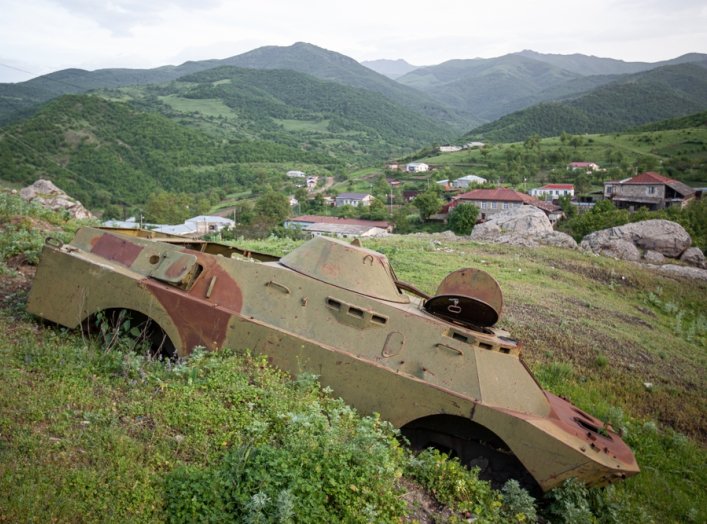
x: 466, y: 181
x: 449, y: 149
x: 354, y: 199
x: 209, y: 224
x: 295, y: 174
x: 553, y: 191
x: 416, y: 167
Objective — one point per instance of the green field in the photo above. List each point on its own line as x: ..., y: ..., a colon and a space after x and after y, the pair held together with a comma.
x: 207, y: 107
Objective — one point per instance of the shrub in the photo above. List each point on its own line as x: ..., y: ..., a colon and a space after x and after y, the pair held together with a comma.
x: 455, y: 486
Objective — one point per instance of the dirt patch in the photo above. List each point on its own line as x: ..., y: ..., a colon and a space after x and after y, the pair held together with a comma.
x: 422, y: 506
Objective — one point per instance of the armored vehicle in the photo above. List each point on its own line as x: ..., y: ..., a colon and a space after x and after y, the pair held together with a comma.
x: 434, y: 366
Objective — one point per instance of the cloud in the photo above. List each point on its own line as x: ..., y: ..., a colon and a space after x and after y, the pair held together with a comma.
x: 120, y: 17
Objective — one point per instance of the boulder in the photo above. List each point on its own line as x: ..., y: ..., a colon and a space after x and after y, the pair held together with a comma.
x: 523, y: 220
x: 695, y: 257
x: 653, y: 257
x: 617, y: 248
x: 46, y: 194
x: 522, y: 226
x: 665, y: 237
x: 684, y: 271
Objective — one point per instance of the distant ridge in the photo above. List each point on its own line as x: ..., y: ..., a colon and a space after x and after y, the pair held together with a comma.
x: 630, y: 101
x: 390, y: 68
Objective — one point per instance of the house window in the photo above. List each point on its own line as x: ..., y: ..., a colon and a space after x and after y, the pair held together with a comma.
x: 505, y: 205
x: 494, y: 205
x: 651, y: 190
x: 609, y: 189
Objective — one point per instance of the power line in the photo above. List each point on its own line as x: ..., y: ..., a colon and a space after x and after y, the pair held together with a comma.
x: 17, y: 69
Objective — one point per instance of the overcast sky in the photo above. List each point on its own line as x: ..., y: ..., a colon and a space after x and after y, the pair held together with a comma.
x: 41, y: 36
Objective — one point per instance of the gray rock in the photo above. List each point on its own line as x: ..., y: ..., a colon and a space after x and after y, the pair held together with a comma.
x: 653, y: 257
x: 617, y: 248
x: 523, y: 226
x: 684, y: 271
x: 524, y: 220
x: 558, y: 239
x: 46, y: 194
x: 665, y: 237
x: 695, y: 257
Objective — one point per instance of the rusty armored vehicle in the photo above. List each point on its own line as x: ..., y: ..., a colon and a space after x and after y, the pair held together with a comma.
x: 434, y: 366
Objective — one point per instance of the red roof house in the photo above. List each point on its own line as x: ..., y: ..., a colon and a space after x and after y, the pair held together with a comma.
x: 649, y: 189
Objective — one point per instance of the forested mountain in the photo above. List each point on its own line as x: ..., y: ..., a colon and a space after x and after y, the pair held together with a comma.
x: 17, y: 100
x: 329, y: 65
x: 390, y: 68
x: 104, y: 152
x: 630, y: 101
x: 696, y: 120
x: 291, y: 108
x: 593, y: 65
x: 490, y: 88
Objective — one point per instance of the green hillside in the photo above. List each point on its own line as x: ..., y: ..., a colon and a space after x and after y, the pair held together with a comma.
x: 659, y: 94
x: 295, y: 108
x: 484, y: 88
x: 17, y: 100
x: 329, y: 65
x: 104, y: 152
x: 92, y: 430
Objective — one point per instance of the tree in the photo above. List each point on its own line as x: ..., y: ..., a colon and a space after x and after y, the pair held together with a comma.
x: 462, y: 218
x: 567, y: 208
x: 272, y: 208
x: 376, y: 211
x: 428, y: 203
x: 168, y: 208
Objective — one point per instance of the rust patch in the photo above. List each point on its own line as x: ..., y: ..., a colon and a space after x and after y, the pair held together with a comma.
x: 199, y: 323
x: 576, y: 422
x: 225, y: 293
x: 113, y: 248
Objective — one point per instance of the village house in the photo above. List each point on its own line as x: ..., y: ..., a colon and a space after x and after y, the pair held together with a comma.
x: 474, y: 145
x: 295, y: 174
x: 492, y: 201
x: 312, y: 182
x: 354, y: 199
x: 195, y: 226
x: 649, y: 190
x: 583, y: 166
x: 417, y: 167
x: 553, y: 191
x: 449, y: 149
x: 339, y: 227
x: 468, y: 180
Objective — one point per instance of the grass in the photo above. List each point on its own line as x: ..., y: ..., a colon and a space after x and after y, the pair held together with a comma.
x: 304, y: 125
x: 207, y: 107
x: 91, y: 433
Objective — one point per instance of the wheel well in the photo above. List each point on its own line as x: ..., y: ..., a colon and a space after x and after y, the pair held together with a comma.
x: 473, y: 444
x: 131, y: 329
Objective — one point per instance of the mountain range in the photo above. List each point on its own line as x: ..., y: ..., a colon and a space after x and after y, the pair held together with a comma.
x: 303, y: 103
